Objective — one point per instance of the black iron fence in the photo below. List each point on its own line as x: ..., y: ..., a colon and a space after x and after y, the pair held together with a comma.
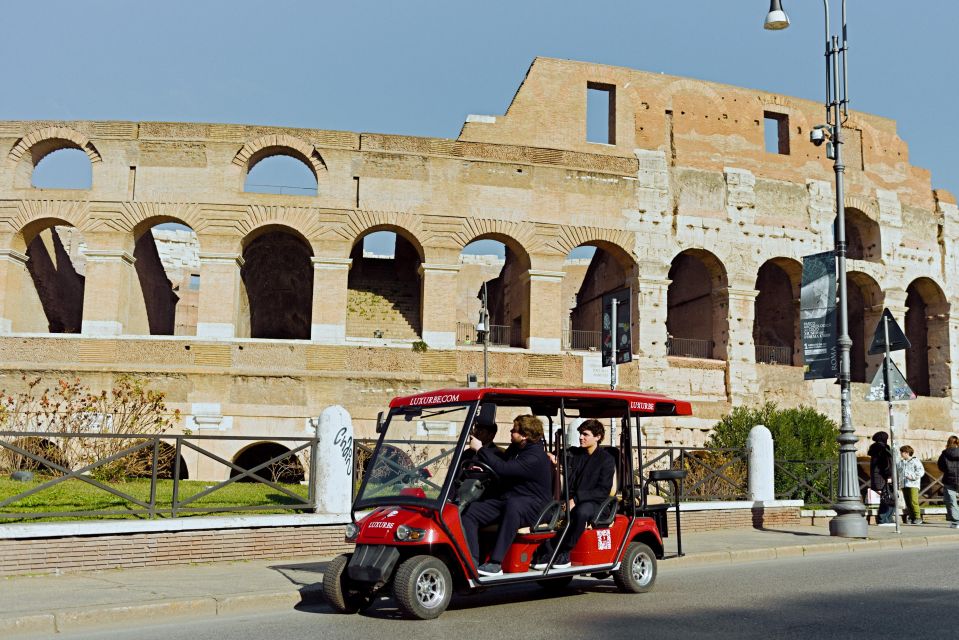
x: 769, y: 354
x: 689, y: 348
x: 58, y: 458
x: 576, y: 340
x: 466, y: 334
x: 711, y: 474
x: 816, y: 482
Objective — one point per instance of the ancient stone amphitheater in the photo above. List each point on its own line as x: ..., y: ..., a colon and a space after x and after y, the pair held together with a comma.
x: 254, y: 311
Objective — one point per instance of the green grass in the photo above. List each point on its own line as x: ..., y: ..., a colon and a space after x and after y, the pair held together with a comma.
x: 75, y: 495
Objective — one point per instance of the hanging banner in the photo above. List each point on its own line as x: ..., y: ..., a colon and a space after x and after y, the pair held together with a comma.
x: 817, y: 316
x: 624, y: 342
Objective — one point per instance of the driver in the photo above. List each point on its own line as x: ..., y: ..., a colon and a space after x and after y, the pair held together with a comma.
x: 525, y: 465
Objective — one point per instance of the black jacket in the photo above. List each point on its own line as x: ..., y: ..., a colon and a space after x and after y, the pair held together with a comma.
x: 526, y: 472
x: 949, y: 465
x: 880, y: 465
x: 590, y: 476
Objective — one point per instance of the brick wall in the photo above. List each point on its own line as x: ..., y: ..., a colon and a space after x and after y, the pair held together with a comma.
x: 88, y: 553
x: 736, y: 518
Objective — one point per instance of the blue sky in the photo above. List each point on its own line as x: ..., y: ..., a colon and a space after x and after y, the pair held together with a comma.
x: 419, y: 67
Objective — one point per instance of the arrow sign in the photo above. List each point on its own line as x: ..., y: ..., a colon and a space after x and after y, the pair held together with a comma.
x: 897, y: 339
x: 899, y: 389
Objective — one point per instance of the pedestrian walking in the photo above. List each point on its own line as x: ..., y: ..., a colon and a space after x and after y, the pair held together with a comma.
x: 949, y: 465
x: 880, y: 477
x: 910, y: 472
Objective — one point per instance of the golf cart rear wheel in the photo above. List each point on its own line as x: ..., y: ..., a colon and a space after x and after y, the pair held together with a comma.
x: 422, y: 587
x: 339, y: 591
x: 637, y: 572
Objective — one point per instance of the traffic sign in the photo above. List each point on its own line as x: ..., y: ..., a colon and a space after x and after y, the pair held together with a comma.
x: 898, y: 387
x: 897, y: 339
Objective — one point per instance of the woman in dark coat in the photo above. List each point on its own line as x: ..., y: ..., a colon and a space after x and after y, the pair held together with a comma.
x: 880, y: 474
x: 949, y: 465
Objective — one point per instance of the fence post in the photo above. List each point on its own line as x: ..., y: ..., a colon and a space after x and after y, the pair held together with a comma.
x: 761, y: 465
x: 333, y: 480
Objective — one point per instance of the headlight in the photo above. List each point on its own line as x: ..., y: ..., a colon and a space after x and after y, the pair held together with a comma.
x: 352, y: 530
x: 405, y: 533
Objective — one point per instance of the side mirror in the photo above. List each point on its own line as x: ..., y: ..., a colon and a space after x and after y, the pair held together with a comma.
x: 379, y: 422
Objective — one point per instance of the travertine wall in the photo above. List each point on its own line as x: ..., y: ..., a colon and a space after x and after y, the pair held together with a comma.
x: 688, y: 180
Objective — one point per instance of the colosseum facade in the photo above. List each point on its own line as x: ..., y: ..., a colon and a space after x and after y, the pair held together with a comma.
x: 254, y: 311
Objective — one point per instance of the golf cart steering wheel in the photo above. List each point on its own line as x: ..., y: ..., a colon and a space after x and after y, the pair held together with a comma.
x: 476, y: 470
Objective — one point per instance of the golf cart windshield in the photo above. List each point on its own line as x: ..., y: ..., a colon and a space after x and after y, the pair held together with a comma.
x: 413, y: 457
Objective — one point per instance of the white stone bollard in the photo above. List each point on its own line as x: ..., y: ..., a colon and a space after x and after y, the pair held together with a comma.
x: 761, y: 465
x: 333, y: 484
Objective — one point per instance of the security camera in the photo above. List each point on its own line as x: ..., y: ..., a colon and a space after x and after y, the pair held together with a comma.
x: 817, y: 136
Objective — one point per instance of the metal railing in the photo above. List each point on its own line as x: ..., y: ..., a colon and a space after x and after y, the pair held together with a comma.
x: 499, y: 334
x: 817, y: 481
x: 689, y: 348
x: 712, y: 474
x: 769, y: 354
x: 577, y: 340
x: 49, y: 462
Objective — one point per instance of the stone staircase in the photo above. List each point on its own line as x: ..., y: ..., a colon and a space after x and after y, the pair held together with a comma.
x: 381, y: 305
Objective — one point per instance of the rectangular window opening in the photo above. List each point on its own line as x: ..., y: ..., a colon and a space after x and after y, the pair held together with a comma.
x: 600, y: 113
x: 776, y: 131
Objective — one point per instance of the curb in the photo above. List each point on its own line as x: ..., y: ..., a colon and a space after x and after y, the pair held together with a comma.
x: 87, y: 618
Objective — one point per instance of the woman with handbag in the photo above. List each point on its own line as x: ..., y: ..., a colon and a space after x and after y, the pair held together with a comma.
x: 910, y: 472
x: 880, y: 478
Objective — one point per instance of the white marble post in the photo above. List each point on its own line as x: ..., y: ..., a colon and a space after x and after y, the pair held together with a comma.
x: 761, y: 465
x: 333, y: 483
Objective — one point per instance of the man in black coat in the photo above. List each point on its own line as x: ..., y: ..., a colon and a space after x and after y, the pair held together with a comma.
x: 948, y: 463
x: 528, y: 469
x: 590, y: 480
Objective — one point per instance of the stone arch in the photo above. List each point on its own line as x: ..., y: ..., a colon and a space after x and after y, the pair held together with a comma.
x: 384, y: 293
x: 611, y: 268
x: 863, y: 236
x: 508, y: 292
x: 266, y: 146
x: 42, y: 142
x: 865, y: 302
x: 277, y: 275
x: 50, y: 284
x: 927, y: 328
x: 288, y: 470
x: 697, y: 300
x: 776, y: 319
x: 168, y: 270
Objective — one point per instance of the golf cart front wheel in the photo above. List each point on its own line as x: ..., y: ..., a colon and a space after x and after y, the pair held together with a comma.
x: 637, y: 572
x: 422, y: 587
x: 339, y: 591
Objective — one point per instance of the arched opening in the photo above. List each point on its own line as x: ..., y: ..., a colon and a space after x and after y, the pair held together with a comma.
x: 501, y: 265
x: 865, y: 305
x: 168, y: 266
x: 287, y: 470
x: 62, y: 168
x: 277, y: 274
x: 47, y: 454
x: 383, y: 301
x: 56, y: 267
x: 863, y: 237
x: 927, y: 328
x: 593, y: 270
x: 696, y: 306
x: 280, y: 172
x: 776, y: 319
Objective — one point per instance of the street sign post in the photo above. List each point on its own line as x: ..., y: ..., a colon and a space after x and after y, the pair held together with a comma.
x: 617, y: 339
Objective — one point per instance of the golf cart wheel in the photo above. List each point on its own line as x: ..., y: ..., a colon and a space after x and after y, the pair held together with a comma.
x: 637, y: 572
x: 555, y: 584
x: 338, y: 590
x: 422, y: 587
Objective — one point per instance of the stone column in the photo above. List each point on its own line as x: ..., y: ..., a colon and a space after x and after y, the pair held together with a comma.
x: 333, y: 483
x: 651, y: 313
x: 545, y: 311
x: 107, y: 292
x: 438, y: 304
x: 761, y: 465
x: 20, y: 308
x: 220, y: 308
x: 740, y: 348
x: 330, y: 288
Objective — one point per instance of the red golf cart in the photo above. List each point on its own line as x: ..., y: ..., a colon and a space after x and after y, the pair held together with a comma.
x: 408, y: 534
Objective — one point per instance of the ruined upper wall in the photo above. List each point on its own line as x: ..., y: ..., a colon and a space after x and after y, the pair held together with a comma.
x: 700, y: 125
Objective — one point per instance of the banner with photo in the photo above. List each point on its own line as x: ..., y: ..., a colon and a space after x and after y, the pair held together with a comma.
x: 817, y: 316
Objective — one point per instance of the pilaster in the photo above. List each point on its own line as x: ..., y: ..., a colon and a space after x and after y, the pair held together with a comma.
x: 107, y: 293
x: 222, y: 296
x: 438, y: 309
x: 330, y: 288
x: 545, y: 324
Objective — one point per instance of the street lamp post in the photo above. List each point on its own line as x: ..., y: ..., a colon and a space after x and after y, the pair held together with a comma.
x: 849, y: 521
x: 482, y: 334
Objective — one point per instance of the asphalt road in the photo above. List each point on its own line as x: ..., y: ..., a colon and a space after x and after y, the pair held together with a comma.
x: 870, y: 595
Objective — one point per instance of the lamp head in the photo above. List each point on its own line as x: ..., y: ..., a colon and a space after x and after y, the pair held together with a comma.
x: 776, y: 19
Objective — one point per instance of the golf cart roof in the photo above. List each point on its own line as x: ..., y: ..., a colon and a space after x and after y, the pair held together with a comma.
x: 591, y: 402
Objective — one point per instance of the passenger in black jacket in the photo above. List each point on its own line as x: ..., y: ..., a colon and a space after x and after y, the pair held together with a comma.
x: 590, y: 479
x: 526, y: 475
x: 949, y: 465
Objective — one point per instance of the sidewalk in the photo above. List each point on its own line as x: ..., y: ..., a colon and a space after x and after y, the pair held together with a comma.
x: 48, y: 604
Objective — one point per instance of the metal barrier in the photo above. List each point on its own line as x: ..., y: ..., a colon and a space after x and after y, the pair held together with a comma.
x: 712, y: 474
x: 817, y: 482
x: 689, y: 348
x: 499, y: 334
x: 576, y: 340
x: 17, y: 443
x: 768, y: 354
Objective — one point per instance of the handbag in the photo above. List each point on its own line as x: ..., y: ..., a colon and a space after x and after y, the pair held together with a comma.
x: 887, y: 495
